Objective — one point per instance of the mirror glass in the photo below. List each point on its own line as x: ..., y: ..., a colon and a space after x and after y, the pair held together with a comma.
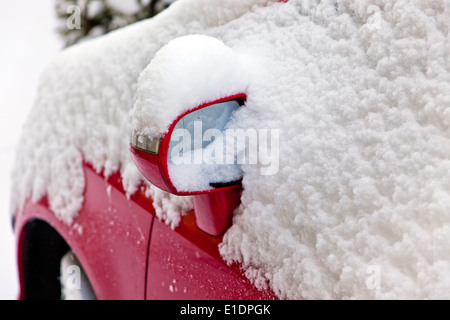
x: 200, y: 157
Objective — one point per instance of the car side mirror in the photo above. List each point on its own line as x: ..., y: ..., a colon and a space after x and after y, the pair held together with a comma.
x: 191, y: 158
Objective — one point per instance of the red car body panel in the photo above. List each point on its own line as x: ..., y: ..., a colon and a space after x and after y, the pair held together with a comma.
x: 186, y: 264
x: 112, y: 236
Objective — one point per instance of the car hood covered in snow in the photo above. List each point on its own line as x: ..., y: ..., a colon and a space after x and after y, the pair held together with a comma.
x: 359, y: 91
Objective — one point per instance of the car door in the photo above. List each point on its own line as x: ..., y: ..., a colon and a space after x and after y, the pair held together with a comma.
x: 185, y: 263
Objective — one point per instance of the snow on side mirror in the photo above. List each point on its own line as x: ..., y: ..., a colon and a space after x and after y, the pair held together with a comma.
x: 193, y: 156
x: 197, y: 152
x: 186, y: 97
x: 191, y: 159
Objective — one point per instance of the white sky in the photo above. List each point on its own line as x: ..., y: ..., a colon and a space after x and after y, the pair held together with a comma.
x: 28, y: 42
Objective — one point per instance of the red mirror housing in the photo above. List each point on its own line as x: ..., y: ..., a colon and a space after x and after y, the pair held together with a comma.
x: 213, y: 207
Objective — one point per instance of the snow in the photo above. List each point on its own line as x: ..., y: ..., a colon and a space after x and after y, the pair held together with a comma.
x: 26, y: 49
x: 359, y: 93
x: 87, y: 94
x: 360, y: 207
x: 169, y: 208
x: 186, y: 73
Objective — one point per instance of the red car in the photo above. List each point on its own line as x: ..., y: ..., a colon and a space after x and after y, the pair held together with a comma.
x: 115, y: 247
x: 125, y: 187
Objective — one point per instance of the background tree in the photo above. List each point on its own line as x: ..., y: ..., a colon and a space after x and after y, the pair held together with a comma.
x: 98, y: 17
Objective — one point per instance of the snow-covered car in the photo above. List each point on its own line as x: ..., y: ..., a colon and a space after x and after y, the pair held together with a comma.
x: 339, y: 187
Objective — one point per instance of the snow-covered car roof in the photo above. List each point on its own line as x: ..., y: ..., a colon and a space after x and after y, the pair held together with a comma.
x: 359, y: 92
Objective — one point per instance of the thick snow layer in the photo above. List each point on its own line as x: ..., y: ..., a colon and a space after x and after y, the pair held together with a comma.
x: 359, y: 91
x: 361, y: 205
x: 187, y: 72
x: 82, y: 111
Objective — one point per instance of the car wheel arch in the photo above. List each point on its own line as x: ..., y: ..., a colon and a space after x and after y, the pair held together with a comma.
x: 41, y: 248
